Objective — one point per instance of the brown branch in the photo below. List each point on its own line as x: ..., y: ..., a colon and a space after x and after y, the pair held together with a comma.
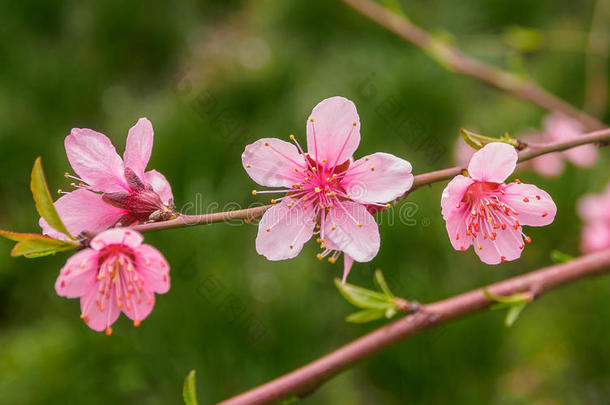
x: 461, y: 63
x: 306, y: 379
x: 250, y: 214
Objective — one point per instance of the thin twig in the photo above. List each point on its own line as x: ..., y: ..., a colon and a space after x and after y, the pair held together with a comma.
x: 461, y: 63
x: 306, y: 379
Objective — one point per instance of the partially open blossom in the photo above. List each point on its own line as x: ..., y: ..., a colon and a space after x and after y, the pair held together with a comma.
x: 324, y: 189
x: 556, y: 128
x: 462, y: 152
x: 111, y: 191
x: 594, y: 209
x: 116, y: 274
x: 483, y: 211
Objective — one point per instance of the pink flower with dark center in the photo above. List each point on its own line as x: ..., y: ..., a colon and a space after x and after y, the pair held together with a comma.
x: 325, y: 189
x: 116, y: 274
x: 483, y: 211
x: 111, y: 191
x: 594, y: 209
x: 556, y: 128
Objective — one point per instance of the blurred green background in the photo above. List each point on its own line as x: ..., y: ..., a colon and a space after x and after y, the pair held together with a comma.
x: 213, y: 76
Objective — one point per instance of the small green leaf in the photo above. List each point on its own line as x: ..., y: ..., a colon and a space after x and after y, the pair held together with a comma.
x: 19, y: 237
x: 366, y: 315
x: 41, y: 246
x: 189, y: 390
x: 362, y: 297
x: 511, y: 299
x: 560, y: 257
x: 43, y: 199
x: 381, y: 283
x: 477, y: 141
x: 513, y: 313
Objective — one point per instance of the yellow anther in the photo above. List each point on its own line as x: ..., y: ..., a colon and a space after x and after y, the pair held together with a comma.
x: 372, y: 169
x: 268, y: 229
x: 248, y: 165
x: 387, y: 205
x: 335, y: 176
x: 311, y: 119
x: 319, y: 256
x: 291, y: 137
x: 266, y: 143
x: 480, y: 247
x: 253, y: 192
x: 354, y: 123
x: 366, y: 159
x: 359, y: 225
x: 323, y: 160
x: 317, y: 189
x: 59, y: 191
x: 291, y: 246
x: 296, y: 169
x: 313, y: 169
x: 273, y: 201
x: 333, y: 228
x: 332, y: 260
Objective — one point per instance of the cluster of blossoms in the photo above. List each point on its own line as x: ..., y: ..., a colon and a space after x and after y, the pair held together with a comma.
x: 324, y: 192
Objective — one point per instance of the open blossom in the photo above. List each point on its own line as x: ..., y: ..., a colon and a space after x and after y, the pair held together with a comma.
x: 325, y: 189
x: 594, y: 209
x: 116, y: 274
x: 111, y: 191
x: 557, y: 127
x: 483, y: 211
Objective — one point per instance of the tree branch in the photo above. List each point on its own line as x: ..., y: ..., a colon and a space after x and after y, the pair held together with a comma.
x: 308, y: 378
x: 461, y: 63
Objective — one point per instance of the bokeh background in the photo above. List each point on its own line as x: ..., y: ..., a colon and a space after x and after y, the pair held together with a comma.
x: 213, y: 76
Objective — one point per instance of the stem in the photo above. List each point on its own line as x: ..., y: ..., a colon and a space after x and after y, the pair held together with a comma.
x: 306, y: 379
x: 459, y: 62
x: 249, y: 214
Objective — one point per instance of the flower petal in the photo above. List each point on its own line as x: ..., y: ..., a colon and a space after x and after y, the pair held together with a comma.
x: 549, y: 165
x: 453, y: 194
x: 535, y: 207
x: 139, y: 305
x: 333, y: 131
x: 456, y: 229
x: 594, y: 207
x: 159, y: 184
x: 99, y: 318
x: 493, y: 163
x: 153, y: 267
x: 582, y: 156
x: 83, y: 210
x: 283, y: 231
x: 117, y: 236
x: 508, y: 245
x: 378, y: 178
x: 94, y: 159
x: 347, y: 266
x: 595, y: 237
x: 353, y: 230
x: 272, y: 162
x: 78, y: 276
x: 139, y: 146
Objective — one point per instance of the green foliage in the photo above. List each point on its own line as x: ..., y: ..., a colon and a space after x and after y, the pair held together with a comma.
x: 514, y: 303
x: 189, y: 390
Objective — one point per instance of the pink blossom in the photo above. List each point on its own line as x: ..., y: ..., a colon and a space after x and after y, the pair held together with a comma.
x: 595, y: 212
x: 111, y: 191
x: 558, y: 127
x: 116, y: 274
x: 324, y: 188
x: 462, y: 152
x: 483, y: 211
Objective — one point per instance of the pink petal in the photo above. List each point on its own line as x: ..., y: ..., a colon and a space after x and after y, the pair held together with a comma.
x: 535, y: 207
x: 117, y: 236
x: 139, y: 146
x: 159, y: 184
x: 507, y: 246
x: 353, y: 230
x: 595, y: 237
x: 272, y: 162
x: 283, y: 231
x: 333, y: 131
x: 453, y: 194
x: 462, y: 152
x: 139, y: 305
x: 94, y: 159
x: 95, y: 318
x: 583, y: 156
x: 82, y: 210
x: 456, y: 229
x: 378, y: 178
x: 154, y: 269
x: 78, y: 276
x: 549, y: 165
x: 493, y: 163
x: 594, y: 207
x: 347, y: 266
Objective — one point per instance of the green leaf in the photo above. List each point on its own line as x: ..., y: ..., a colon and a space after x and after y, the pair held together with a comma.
x: 19, y: 237
x: 477, y: 141
x: 189, y: 390
x: 511, y: 299
x: 560, y: 257
x: 513, y: 313
x: 41, y: 246
x: 381, y: 283
x: 43, y: 199
x: 362, y: 297
x: 366, y: 315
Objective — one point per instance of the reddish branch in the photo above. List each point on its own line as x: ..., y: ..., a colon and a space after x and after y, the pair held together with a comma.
x: 308, y: 378
x: 466, y: 65
x: 249, y: 214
